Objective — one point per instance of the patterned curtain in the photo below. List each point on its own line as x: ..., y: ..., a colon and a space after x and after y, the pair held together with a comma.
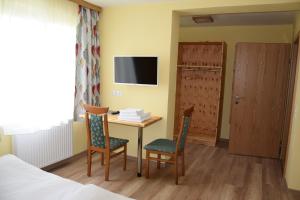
x: 87, y: 84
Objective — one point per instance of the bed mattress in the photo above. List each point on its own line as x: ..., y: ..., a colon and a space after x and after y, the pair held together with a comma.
x: 20, y: 180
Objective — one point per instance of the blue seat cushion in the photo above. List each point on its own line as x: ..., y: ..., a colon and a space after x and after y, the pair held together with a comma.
x: 164, y: 145
x: 114, y: 142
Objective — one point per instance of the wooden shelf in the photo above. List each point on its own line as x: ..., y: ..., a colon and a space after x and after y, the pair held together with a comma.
x: 202, y: 68
x: 199, y: 66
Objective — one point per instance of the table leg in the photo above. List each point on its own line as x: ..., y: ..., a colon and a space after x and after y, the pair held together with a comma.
x: 139, y: 152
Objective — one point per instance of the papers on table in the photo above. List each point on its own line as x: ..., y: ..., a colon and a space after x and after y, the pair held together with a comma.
x: 133, y: 115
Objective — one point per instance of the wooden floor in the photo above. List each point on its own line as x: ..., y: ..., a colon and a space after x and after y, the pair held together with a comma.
x: 211, y: 173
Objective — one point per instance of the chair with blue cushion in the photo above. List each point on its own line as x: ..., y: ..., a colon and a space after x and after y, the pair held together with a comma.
x: 170, y: 148
x: 98, y: 139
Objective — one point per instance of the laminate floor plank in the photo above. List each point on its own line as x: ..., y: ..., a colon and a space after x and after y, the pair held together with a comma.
x: 211, y: 174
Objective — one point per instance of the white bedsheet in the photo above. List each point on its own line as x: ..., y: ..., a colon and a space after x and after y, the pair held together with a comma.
x: 22, y: 181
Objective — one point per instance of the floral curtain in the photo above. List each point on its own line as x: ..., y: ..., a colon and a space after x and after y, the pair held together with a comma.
x: 87, y: 86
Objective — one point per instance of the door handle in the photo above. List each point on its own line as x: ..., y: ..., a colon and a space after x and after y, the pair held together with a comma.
x: 237, y: 99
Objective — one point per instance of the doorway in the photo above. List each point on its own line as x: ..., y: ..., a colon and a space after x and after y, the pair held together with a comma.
x: 267, y: 27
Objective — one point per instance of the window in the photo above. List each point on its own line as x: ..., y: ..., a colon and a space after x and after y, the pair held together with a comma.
x: 37, y: 64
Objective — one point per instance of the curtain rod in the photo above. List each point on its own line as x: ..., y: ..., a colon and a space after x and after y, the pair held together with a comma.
x: 87, y: 5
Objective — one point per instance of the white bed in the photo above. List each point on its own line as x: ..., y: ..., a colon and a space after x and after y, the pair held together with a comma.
x: 22, y: 181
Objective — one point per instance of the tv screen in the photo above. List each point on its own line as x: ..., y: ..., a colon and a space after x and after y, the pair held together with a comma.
x: 136, y: 70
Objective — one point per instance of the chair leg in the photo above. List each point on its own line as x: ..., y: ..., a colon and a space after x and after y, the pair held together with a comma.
x: 125, y: 157
x: 102, y: 158
x: 183, y: 165
x: 176, y: 170
x: 89, y: 161
x: 158, y: 161
x: 107, y: 164
x: 147, y: 164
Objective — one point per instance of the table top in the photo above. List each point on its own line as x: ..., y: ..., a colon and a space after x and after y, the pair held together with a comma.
x: 114, y: 119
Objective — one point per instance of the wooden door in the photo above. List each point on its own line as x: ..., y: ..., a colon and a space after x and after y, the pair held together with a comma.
x: 258, y: 100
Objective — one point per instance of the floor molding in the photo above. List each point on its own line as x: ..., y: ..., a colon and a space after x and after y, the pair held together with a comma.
x: 223, y: 143
x: 294, y: 194
x: 80, y: 155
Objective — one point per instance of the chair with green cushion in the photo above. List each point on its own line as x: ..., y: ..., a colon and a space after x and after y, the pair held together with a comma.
x: 98, y: 139
x: 170, y: 148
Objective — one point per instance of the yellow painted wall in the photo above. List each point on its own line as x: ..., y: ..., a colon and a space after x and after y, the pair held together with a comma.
x: 136, y: 31
x: 293, y: 163
x: 173, y: 70
x: 5, y: 144
x: 231, y: 35
x: 79, y: 137
x: 297, y: 25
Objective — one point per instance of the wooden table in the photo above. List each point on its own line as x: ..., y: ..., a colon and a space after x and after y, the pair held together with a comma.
x: 140, y: 125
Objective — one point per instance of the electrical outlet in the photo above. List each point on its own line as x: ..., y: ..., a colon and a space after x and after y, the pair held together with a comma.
x: 117, y: 93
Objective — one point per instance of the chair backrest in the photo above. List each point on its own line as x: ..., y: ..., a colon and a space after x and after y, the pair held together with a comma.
x: 97, y: 126
x: 184, y: 128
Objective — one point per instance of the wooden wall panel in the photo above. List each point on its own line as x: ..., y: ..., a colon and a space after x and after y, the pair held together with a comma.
x: 199, y: 83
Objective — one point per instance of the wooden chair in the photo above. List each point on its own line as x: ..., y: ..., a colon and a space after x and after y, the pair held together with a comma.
x: 170, y: 148
x: 98, y: 139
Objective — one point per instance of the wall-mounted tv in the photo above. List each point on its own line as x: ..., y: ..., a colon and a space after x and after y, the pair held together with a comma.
x: 136, y: 70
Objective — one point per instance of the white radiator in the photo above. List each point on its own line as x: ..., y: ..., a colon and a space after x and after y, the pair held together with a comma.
x: 45, y: 147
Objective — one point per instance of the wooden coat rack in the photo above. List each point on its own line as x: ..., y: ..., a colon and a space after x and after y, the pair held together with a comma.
x: 200, y: 77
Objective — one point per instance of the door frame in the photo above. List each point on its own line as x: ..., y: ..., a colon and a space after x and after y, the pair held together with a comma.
x: 290, y: 115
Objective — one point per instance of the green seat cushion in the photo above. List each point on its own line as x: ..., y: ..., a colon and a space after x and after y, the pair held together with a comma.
x: 114, y: 142
x: 97, y: 134
x: 96, y: 127
x: 169, y: 146
x: 164, y: 145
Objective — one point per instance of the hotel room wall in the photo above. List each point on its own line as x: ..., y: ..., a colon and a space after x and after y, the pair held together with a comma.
x: 231, y: 35
x: 79, y: 137
x: 5, y: 143
x: 136, y: 31
x: 293, y: 163
x: 173, y: 70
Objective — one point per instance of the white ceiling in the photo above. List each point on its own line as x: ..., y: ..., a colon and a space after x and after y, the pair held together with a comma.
x: 264, y: 18
x: 267, y: 18
x: 107, y: 3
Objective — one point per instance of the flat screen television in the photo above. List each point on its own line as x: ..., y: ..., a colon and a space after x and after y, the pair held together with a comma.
x: 136, y: 70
